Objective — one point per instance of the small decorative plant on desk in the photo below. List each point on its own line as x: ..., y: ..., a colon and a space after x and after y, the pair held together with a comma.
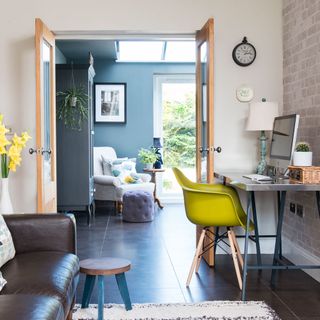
x: 10, y: 152
x: 148, y: 157
x: 302, y: 155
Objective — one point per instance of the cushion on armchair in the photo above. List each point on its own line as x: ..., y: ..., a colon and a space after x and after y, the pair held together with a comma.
x: 122, y: 168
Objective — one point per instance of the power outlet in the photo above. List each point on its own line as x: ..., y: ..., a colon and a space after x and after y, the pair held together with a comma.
x: 292, y: 207
x: 300, y: 210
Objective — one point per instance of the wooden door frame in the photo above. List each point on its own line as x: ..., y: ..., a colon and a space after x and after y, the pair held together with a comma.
x: 43, y: 33
x: 206, y: 34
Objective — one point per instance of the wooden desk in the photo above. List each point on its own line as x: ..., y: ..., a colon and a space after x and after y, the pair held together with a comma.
x: 281, y: 187
x: 153, y: 173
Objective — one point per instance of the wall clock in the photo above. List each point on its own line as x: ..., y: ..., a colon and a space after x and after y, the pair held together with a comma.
x: 244, y: 53
x: 244, y: 93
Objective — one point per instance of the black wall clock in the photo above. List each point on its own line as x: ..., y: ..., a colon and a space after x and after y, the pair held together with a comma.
x: 244, y: 53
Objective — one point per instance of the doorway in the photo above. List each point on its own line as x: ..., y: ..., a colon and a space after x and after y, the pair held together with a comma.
x: 174, y: 123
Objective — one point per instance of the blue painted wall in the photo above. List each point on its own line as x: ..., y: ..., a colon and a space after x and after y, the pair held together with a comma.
x: 137, y: 132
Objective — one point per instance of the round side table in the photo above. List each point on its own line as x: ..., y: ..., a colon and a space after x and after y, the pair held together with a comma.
x: 153, y: 173
x: 101, y: 267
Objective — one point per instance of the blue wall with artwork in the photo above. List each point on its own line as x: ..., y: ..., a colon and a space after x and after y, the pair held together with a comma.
x: 137, y: 132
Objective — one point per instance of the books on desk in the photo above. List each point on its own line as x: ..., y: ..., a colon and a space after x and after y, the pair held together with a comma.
x: 258, y: 177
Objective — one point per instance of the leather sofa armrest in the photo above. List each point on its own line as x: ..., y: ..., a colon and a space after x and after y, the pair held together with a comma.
x: 107, y: 180
x: 145, y: 177
x: 42, y: 232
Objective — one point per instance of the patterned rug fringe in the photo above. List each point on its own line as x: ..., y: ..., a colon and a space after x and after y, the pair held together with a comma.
x: 209, y: 310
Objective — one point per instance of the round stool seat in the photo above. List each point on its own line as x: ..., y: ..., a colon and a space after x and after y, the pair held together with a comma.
x: 104, y: 266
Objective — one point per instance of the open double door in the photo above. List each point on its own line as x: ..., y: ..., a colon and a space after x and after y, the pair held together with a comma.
x: 45, y: 150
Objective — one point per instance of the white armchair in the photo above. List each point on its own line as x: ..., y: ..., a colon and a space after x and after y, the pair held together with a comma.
x: 110, y: 187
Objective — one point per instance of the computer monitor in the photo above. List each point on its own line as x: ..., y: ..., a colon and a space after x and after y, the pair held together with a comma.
x: 283, y: 141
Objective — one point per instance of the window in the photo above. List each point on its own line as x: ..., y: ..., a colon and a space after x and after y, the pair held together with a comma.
x: 155, y: 51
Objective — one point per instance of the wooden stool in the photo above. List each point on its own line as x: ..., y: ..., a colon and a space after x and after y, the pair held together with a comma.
x: 104, y: 267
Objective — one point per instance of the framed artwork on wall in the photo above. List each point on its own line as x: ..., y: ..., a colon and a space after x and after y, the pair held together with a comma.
x: 110, y: 102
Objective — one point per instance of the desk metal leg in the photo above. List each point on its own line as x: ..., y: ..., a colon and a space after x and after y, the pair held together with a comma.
x: 278, y: 238
x: 256, y: 230
x: 280, y: 245
x: 246, y: 243
x: 318, y: 201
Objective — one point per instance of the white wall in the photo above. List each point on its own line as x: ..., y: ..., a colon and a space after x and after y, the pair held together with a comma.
x: 259, y: 20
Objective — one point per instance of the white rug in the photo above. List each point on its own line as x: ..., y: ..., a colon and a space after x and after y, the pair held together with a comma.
x: 215, y: 310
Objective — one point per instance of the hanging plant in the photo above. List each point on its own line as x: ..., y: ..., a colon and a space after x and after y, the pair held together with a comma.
x: 73, y: 108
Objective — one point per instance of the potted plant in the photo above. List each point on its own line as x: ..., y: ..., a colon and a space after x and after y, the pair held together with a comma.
x: 148, y: 157
x: 303, y: 155
x: 73, y: 109
x: 10, y: 158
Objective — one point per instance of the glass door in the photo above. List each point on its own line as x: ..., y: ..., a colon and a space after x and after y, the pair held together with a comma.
x: 45, y: 119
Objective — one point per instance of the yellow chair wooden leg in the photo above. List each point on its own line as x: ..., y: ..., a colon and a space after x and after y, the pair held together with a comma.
x: 240, y: 258
x: 235, y: 259
x: 196, y: 256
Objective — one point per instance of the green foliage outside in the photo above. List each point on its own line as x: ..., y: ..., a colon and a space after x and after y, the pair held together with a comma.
x: 179, y: 133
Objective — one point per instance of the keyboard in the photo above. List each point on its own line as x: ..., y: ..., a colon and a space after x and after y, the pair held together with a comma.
x: 257, y: 177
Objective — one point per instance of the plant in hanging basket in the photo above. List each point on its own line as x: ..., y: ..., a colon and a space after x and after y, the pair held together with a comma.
x: 73, y: 107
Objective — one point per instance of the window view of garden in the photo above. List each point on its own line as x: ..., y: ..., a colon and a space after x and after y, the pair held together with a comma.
x: 179, y: 133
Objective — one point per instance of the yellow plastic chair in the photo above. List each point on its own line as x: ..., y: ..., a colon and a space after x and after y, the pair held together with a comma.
x: 213, y: 205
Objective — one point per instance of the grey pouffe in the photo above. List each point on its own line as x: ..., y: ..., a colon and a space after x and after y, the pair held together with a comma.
x: 138, y: 206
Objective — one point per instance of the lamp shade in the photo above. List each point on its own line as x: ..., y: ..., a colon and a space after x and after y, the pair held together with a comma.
x: 157, y: 143
x: 261, y: 116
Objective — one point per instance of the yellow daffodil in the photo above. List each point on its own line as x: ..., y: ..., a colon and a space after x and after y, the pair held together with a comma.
x: 10, y: 156
x: 18, y: 142
x: 3, y: 129
x: 14, y: 154
x: 25, y: 136
x: 3, y: 143
x: 12, y: 166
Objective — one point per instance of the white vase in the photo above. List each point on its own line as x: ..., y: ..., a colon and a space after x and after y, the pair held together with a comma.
x: 5, y: 201
x: 302, y: 159
x: 149, y: 166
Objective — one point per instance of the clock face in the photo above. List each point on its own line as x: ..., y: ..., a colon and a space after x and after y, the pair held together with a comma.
x: 244, y: 54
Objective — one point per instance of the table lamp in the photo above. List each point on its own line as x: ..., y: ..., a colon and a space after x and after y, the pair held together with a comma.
x: 261, y: 117
x: 157, y: 145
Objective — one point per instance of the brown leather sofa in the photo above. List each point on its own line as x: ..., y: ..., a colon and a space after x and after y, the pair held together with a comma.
x: 43, y: 276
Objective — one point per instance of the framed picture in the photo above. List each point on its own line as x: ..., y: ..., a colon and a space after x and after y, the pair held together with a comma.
x: 110, y: 102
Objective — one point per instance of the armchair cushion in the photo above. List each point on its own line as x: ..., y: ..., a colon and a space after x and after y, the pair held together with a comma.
x: 107, y: 164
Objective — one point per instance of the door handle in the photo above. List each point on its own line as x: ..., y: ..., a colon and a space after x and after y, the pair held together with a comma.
x: 32, y: 151
x: 201, y: 150
x: 43, y: 151
x: 218, y: 149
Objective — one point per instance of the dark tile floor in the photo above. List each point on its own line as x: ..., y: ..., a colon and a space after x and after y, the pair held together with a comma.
x: 161, y: 253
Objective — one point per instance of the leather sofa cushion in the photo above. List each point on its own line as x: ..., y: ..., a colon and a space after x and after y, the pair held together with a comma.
x: 46, y: 273
x: 29, y: 307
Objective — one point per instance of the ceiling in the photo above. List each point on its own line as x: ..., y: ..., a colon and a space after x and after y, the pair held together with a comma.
x: 79, y: 49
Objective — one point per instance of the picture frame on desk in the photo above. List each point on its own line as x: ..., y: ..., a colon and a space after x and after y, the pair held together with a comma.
x: 110, y: 102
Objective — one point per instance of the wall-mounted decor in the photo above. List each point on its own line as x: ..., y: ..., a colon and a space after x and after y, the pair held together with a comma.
x: 244, y: 53
x: 110, y: 102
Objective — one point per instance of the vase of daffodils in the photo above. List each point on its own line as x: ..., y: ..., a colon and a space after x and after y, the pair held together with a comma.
x: 10, y: 153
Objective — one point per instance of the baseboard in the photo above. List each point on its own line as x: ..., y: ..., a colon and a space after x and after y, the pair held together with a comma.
x: 298, y: 255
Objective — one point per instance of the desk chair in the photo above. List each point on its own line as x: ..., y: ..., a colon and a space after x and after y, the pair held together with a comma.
x: 213, y: 205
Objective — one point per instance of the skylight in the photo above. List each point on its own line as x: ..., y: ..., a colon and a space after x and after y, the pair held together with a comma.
x: 180, y: 51
x: 156, y: 51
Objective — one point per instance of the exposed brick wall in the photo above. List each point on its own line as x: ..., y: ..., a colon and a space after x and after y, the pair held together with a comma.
x: 301, y: 95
